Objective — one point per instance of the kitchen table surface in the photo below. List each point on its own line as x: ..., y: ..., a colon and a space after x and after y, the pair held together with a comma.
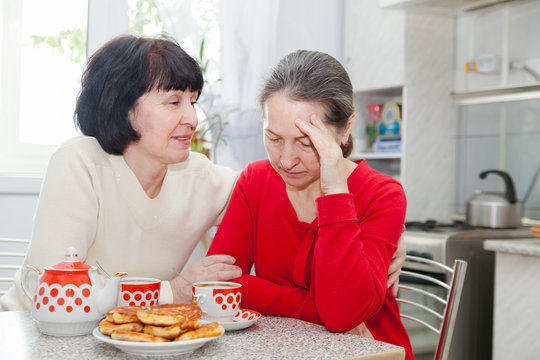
x: 269, y: 338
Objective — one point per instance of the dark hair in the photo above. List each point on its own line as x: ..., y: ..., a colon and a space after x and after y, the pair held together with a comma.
x: 318, y: 77
x: 118, y: 74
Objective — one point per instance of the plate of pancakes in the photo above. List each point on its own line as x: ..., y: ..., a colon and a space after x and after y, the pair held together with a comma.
x: 160, y: 330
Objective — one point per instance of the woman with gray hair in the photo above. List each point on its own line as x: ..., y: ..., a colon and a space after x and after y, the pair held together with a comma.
x: 321, y: 230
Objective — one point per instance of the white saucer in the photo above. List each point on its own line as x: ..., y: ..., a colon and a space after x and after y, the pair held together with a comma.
x: 244, y: 319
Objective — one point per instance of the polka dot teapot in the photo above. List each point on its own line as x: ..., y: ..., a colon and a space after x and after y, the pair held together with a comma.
x: 70, y: 298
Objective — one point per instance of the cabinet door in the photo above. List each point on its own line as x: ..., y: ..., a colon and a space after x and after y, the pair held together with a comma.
x: 374, y: 45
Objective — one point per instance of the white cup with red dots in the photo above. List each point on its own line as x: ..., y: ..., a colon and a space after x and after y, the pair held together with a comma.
x: 139, y: 291
x: 219, y: 300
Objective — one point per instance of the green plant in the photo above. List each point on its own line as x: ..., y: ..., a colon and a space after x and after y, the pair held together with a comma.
x: 210, y: 133
x: 72, y: 42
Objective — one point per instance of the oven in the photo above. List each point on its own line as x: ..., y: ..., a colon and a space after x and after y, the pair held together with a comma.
x: 472, y: 337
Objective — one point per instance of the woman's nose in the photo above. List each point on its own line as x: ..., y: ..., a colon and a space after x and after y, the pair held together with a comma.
x: 189, y: 117
x: 289, y: 159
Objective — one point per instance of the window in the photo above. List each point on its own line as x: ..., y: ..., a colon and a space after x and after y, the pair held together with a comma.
x: 43, y: 48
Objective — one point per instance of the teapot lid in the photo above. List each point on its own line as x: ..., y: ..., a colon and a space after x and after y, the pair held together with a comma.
x: 71, y: 261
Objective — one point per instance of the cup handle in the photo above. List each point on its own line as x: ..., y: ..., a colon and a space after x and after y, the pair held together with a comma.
x: 24, y: 275
x: 198, y: 299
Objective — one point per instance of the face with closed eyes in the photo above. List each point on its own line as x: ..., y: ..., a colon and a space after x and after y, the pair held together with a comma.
x: 166, y: 121
x: 290, y: 151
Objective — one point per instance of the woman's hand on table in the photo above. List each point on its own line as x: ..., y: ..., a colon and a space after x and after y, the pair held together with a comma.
x: 397, y: 263
x: 361, y: 330
x: 209, y: 268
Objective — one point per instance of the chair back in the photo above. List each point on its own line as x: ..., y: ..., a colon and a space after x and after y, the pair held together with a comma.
x: 450, y: 302
x: 12, y: 254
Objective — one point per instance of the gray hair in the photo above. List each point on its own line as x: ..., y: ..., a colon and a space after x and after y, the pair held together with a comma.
x: 316, y: 77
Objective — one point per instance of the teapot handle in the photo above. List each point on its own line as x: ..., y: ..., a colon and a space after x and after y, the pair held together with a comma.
x: 24, y: 276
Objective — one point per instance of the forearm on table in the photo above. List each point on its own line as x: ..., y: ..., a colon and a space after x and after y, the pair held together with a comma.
x: 270, y: 298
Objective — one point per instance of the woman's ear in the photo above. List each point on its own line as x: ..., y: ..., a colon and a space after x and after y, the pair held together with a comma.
x: 348, y: 129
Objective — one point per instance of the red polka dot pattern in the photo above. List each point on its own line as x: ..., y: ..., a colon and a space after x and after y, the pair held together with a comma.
x: 247, y: 315
x: 227, y: 298
x: 139, y: 298
x: 53, y: 298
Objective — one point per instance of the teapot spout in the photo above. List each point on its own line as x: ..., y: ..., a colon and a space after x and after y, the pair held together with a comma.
x: 109, y: 294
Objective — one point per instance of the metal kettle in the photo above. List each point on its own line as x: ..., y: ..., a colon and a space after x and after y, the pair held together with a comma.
x: 495, y: 210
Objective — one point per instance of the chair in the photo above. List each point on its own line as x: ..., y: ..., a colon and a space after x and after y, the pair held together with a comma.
x: 449, y: 304
x: 12, y: 253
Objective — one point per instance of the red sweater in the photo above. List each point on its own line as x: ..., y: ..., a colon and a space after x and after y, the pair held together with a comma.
x: 331, y: 272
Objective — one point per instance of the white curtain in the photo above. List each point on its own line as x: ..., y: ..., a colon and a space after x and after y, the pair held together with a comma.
x: 249, y: 32
x: 254, y: 36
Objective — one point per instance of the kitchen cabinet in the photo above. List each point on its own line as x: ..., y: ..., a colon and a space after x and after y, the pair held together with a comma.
x: 374, y: 42
x: 407, y: 57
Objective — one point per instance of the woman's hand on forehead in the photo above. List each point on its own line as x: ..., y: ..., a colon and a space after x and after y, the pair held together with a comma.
x: 333, y: 176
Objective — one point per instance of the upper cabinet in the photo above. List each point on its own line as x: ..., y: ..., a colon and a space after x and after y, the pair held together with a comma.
x: 442, y: 7
x: 374, y: 45
x: 498, y: 53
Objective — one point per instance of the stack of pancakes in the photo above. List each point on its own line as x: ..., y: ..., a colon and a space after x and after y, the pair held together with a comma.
x: 162, y: 323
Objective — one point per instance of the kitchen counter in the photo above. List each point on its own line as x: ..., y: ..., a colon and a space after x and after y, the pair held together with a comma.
x: 269, y: 338
x: 516, y: 298
x: 529, y: 247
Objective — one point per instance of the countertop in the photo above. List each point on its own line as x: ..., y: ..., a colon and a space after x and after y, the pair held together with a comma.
x: 269, y: 338
x: 528, y: 246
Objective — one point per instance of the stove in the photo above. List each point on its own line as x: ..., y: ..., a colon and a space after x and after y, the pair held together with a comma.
x: 445, y: 242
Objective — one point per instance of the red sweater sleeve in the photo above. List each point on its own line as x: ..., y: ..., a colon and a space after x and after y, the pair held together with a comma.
x: 236, y: 236
x: 356, y: 241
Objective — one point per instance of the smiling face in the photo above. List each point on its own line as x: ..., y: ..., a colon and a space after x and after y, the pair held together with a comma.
x: 290, y: 151
x: 166, y: 121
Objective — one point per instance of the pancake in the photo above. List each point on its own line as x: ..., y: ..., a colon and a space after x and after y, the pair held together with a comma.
x: 123, y: 314
x: 126, y: 335
x: 205, y: 330
x: 107, y: 327
x: 192, y: 313
x: 159, y: 316
x: 169, y: 332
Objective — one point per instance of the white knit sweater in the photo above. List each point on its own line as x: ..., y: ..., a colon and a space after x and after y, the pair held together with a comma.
x: 93, y: 201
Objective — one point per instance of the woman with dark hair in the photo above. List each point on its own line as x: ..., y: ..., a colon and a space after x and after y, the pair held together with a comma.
x: 129, y: 193
x: 320, y: 229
